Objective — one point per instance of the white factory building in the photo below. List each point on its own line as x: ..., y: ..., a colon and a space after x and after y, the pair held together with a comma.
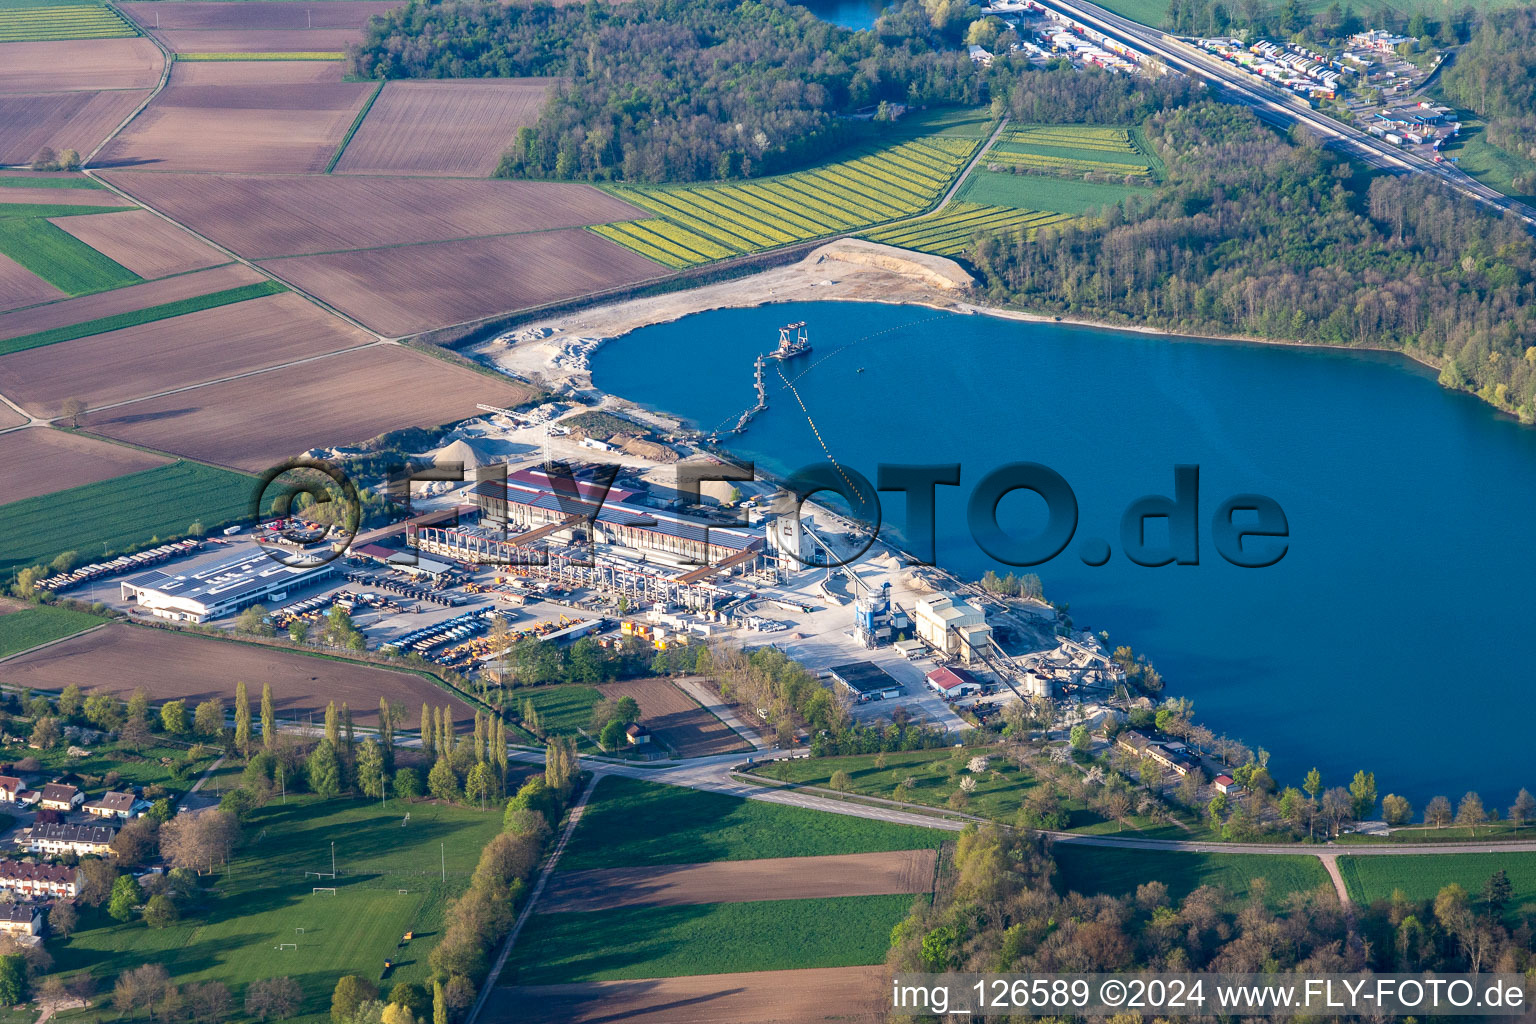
x: 222, y: 589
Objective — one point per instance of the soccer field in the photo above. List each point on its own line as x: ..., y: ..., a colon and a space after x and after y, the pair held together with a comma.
x: 249, y: 926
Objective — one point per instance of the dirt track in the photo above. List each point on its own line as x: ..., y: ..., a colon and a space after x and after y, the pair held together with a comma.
x: 742, y: 881
x: 850, y: 995
x: 676, y: 719
x: 168, y: 665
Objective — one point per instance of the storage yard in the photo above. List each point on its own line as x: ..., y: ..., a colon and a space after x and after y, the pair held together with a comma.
x: 41, y: 460
x: 443, y: 127
x: 261, y: 116
x: 171, y: 666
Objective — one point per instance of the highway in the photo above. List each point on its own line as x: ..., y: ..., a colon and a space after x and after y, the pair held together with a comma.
x: 1278, y: 106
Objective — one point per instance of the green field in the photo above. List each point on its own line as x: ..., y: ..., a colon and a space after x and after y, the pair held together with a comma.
x: 1494, y: 167
x: 562, y: 709
x: 55, y: 255
x: 999, y: 790
x: 45, y: 210
x: 264, y: 899
x: 1075, y: 150
x: 50, y: 181
x: 164, y: 311
x: 26, y: 23
x: 877, y: 182
x: 629, y: 823
x: 949, y: 232
x: 1372, y: 878
x: 124, y: 511
x: 1118, y: 871
x: 25, y: 629
x: 710, y: 938
x: 1041, y: 192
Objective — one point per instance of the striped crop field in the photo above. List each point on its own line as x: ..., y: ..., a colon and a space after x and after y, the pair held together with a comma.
x: 949, y: 232
x: 698, y: 223
x: 1076, y: 149
x: 76, y: 21
x: 265, y: 55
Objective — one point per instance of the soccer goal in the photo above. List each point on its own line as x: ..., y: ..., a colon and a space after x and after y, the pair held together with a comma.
x: 287, y: 945
x: 298, y: 931
x: 403, y: 892
x: 323, y: 891
x: 319, y: 874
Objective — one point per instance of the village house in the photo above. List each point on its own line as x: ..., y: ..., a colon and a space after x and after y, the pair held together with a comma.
x: 1169, y: 755
x: 637, y: 734
x: 31, y: 879
x: 55, y: 838
x: 21, y: 918
x: 11, y: 789
x: 60, y: 796
x: 121, y: 806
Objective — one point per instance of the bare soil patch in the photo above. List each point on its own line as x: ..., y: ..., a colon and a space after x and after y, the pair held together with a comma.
x: 10, y: 417
x: 41, y: 460
x: 255, y: 14
x: 742, y: 881
x: 676, y: 719
x: 443, y: 127
x: 256, y: 40
x: 121, y: 300
x: 74, y: 64
x: 409, y: 289
x: 850, y: 995
x: 170, y: 665
x: 61, y: 120
x: 20, y: 287
x: 255, y: 422
x: 263, y: 217
x: 146, y: 244
x: 64, y: 197
x: 281, y: 116
x: 155, y: 357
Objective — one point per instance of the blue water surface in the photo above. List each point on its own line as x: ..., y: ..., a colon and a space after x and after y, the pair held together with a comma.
x: 1395, y: 634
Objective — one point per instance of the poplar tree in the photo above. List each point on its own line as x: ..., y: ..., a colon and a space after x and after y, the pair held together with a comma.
x: 428, y: 732
x: 439, y: 1004
x: 346, y: 729
x: 242, y: 719
x: 332, y: 725
x: 268, y: 718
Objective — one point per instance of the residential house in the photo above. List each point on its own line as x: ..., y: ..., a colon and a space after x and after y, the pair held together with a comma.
x: 1226, y: 784
x: 60, y: 796
x: 56, y: 838
x: 21, y: 918
x: 31, y: 879
x: 120, y: 806
x: 11, y: 789
x: 637, y: 734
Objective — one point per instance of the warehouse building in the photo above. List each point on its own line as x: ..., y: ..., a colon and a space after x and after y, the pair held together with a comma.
x: 222, y: 589
x: 866, y: 681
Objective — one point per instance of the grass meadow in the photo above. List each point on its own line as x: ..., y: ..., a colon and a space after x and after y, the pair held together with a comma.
x: 630, y: 823
x: 263, y: 900
x: 55, y: 255
x: 707, y: 938
x: 1117, y: 872
x: 1041, y: 192
x: 117, y: 513
x: 27, y: 628
x: 1373, y: 878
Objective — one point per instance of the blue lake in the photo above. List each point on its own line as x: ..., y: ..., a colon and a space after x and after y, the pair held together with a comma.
x: 854, y: 14
x: 1394, y: 635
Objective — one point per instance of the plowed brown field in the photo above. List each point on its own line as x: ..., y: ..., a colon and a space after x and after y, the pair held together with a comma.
x: 742, y: 881
x: 262, y: 217
x: 280, y: 116
x: 169, y: 665
x: 63, y: 196
x: 412, y: 288
x: 443, y: 127
x: 10, y: 417
x: 257, y: 40
x: 255, y: 14
x: 61, y: 120
x: 676, y: 719
x: 848, y: 995
x: 256, y: 422
x: 121, y: 300
x: 20, y: 287
x: 76, y: 64
x: 41, y: 460
x: 139, y: 240
x: 156, y: 357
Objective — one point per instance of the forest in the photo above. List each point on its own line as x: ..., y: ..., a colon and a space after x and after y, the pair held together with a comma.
x: 678, y: 90
x: 1295, y: 18
x: 1495, y: 75
x: 1257, y: 235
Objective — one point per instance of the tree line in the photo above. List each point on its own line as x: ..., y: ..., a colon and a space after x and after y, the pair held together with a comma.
x: 1495, y: 76
x: 1256, y: 235
x: 675, y: 90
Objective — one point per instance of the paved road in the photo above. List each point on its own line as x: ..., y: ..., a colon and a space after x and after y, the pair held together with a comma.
x: 1279, y: 106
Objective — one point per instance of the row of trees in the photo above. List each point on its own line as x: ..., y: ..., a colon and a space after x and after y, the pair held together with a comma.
x: 1256, y: 236
x: 666, y: 90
